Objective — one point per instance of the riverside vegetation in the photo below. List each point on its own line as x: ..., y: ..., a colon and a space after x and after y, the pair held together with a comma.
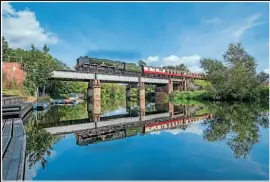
x: 232, y: 79
x: 38, y: 64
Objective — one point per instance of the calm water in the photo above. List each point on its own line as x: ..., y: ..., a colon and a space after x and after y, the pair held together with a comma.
x: 232, y: 144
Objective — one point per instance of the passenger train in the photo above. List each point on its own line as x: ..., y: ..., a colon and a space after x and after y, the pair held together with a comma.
x: 93, y: 65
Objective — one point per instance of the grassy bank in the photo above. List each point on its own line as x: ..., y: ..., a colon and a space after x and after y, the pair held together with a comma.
x: 261, y: 94
x: 188, y: 95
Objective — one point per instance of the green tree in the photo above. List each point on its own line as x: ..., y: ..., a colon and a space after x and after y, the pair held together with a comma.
x: 263, y: 78
x: 5, y: 49
x: 180, y: 67
x: 141, y: 62
x: 233, y: 78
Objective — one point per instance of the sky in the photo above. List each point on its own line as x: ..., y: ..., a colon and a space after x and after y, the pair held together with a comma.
x: 158, y: 33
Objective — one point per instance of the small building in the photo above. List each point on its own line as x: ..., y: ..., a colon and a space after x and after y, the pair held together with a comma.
x: 13, y: 72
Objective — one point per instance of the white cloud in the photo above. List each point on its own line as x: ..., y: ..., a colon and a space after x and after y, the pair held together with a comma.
x: 155, y: 133
x: 192, y: 62
x: 193, y: 128
x: 249, y: 23
x: 266, y: 70
x: 21, y: 28
x: 151, y: 59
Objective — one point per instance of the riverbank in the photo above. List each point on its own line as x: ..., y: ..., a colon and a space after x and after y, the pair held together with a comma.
x: 262, y: 95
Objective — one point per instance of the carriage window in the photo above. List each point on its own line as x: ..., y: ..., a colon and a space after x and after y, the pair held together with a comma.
x: 148, y: 69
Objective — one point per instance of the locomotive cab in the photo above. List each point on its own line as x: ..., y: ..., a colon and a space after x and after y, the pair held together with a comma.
x: 81, y: 61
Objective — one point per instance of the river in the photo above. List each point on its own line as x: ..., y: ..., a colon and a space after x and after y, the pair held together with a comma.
x: 207, y: 141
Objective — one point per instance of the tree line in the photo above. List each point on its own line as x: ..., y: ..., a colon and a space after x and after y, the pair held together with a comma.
x: 39, y: 63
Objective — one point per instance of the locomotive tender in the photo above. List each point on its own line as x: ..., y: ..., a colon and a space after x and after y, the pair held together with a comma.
x: 94, y: 65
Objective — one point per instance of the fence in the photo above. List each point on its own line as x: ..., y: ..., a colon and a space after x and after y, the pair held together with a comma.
x: 12, y: 100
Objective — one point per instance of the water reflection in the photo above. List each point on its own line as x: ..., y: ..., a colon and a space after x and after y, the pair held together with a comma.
x: 238, y: 125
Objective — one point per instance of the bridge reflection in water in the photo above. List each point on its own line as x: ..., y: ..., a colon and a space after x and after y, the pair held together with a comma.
x: 98, y: 127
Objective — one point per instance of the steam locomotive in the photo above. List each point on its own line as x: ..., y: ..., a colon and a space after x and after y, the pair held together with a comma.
x: 94, y: 65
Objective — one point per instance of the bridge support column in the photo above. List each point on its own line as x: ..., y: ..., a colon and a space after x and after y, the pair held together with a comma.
x: 178, y: 87
x: 161, y: 94
x: 94, y: 99
x: 142, y: 96
x: 171, y: 109
x: 94, y: 90
x: 170, y: 86
x: 184, y: 85
x: 128, y: 91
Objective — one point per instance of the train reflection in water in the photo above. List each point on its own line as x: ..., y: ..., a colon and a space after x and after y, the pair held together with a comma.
x: 123, y: 130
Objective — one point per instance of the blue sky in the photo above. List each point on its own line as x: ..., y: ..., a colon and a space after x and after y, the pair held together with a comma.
x: 159, y: 33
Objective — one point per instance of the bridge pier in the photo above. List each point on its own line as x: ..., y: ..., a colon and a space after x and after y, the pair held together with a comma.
x: 171, y: 109
x: 94, y: 90
x: 128, y: 87
x: 142, y: 96
x: 170, y: 86
x: 161, y: 92
x: 184, y: 84
x: 94, y: 99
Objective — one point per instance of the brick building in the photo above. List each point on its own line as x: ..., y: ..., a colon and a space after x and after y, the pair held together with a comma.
x: 13, y: 71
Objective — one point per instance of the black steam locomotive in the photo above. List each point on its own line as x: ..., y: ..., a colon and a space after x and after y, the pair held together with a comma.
x: 86, y: 64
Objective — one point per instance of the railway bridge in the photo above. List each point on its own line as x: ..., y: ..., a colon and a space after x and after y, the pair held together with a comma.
x: 163, y: 88
x: 94, y: 80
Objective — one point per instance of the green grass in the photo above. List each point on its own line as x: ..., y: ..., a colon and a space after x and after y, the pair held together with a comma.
x: 204, y: 110
x: 15, y: 92
x: 203, y: 84
x: 188, y: 102
x: 44, y: 99
x: 188, y: 95
x: 61, y: 96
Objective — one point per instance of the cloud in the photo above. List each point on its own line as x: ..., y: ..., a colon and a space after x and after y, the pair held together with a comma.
x: 151, y: 59
x: 266, y: 70
x: 249, y: 23
x: 155, y: 133
x: 193, y: 128
x: 21, y: 28
x: 119, y: 111
x: 202, y: 41
x: 192, y: 62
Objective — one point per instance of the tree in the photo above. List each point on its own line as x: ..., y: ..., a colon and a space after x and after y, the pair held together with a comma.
x: 180, y: 67
x: 141, y: 63
x: 263, y: 78
x: 46, y: 49
x: 5, y: 50
x: 233, y: 78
